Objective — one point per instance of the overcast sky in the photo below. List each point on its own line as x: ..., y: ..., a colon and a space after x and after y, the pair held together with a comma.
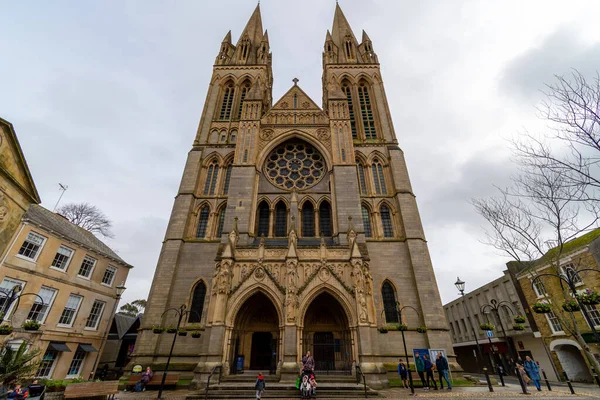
x: 106, y: 97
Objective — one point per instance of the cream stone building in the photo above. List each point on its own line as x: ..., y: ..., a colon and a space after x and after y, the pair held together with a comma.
x: 68, y: 282
x: 295, y: 227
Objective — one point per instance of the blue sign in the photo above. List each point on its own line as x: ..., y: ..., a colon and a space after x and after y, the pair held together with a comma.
x: 490, y: 333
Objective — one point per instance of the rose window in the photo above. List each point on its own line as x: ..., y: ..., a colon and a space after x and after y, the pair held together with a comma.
x: 295, y: 165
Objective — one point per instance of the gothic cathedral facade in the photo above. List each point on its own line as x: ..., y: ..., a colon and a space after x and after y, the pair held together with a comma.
x: 295, y: 227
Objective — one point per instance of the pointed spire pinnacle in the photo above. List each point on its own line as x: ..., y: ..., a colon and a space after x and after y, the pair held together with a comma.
x: 328, y: 36
x: 266, y: 36
x: 254, y: 28
x: 365, y: 37
x: 227, y: 38
x: 341, y: 27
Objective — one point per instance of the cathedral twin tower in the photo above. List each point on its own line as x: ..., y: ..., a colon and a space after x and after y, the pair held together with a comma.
x: 295, y: 227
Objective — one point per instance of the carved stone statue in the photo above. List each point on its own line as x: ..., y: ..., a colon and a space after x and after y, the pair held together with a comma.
x: 224, y: 277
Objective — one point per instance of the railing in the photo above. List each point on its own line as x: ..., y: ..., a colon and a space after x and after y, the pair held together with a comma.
x: 212, y: 372
x: 359, y: 373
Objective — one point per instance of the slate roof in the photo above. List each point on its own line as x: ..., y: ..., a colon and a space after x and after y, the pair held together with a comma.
x: 123, y: 322
x: 55, y: 223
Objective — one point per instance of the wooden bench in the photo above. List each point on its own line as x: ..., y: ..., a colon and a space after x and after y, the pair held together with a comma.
x: 171, y: 380
x: 92, y: 389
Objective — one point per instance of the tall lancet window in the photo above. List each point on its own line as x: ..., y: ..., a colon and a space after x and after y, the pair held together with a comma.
x: 202, y: 222
x: 197, y: 306
x: 378, y: 177
x: 243, y: 93
x: 366, y: 216
x: 227, y: 179
x: 349, y: 46
x: 366, y: 111
x: 361, y: 177
x: 280, y: 220
x: 308, y: 220
x: 263, y: 219
x: 389, y: 303
x: 348, y: 91
x: 325, y: 219
x: 228, y: 92
x: 386, y: 221
x: 211, y: 178
x: 221, y: 221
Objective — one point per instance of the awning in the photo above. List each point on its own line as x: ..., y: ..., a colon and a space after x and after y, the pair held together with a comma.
x: 58, y: 346
x: 88, y: 348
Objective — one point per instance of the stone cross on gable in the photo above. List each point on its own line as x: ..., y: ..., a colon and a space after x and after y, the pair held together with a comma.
x: 295, y: 80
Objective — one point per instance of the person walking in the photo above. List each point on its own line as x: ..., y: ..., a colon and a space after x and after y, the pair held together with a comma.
x: 420, y: 365
x: 533, y: 371
x: 403, y: 372
x: 443, y: 368
x: 521, y: 371
x: 429, y: 366
x: 259, y: 386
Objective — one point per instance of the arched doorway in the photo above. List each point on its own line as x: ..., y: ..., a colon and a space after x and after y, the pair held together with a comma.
x: 572, y: 362
x: 327, y: 336
x: 255, y: 337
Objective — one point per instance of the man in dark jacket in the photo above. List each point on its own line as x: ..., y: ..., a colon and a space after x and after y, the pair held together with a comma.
x: 420, y: 365
x: 429, y: 372
x: 442, y: 366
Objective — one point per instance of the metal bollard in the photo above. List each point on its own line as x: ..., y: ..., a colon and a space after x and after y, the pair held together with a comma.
x: 546, y: 379
x: 569, y: 383
x: 487, y: 378
x: 523, y: 385
x: 596, y: 376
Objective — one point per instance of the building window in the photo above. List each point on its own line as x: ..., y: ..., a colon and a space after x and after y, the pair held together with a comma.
x: 245, y: 89
x: 76, y: 363
x: 109, y: 275
x: 62, y: 258
x: 202, y: 222
x: 361, y: 178
x: 68, y: 315
x: 366, y: 111
x: 308, y: 219
x: 6, y: 287
x: 245, y: 159
x: 223, y: 137
x: 295, y: 164
x: 366, y: 216
x: 386, y: 221
x: 87, y: 267
x: 554, y: 322
x: 539, y: 288
x: 378, y: 177
x: 95, y: 314
x: 32, y: 245
x: 325, y: 219
x: 227, y: 102
x: 263, y: 219
x: 39, y: 310
x: 47, y: 364
x: 594, y: 314
x: 348, y: 92
x: 197, y: 307
x: 280, y: 219
x: 389, y: 303
x: 227, y: 179
x: 211, y: 178
x: 569, y: 271
x: 233, y: 136
x: 221, y: 221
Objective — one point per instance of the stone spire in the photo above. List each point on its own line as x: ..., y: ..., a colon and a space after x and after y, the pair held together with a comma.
x: 343, y: 37
x: 250, y: 39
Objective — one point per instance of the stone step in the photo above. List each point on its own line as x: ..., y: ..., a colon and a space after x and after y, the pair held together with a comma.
x: 236, y: 390
x: 269, y: 378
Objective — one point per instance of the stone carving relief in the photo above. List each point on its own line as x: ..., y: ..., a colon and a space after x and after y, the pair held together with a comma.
x: 323, y: 134
x: 324, y: 274
x: 266, y: 135
x: 368, y: 278
x: 224, y: 277
x: 4, y: 211
x: 259, y: 273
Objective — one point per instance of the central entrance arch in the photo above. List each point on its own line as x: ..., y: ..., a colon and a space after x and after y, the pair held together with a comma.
x: 327, y: 336
x: 255, y: 337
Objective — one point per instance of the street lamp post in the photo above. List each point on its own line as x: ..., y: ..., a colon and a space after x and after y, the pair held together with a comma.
x: 460, y: 285
x: 119, y: 289
x: 399, y: 311
x: 495, y: 306
x: 12, y: 296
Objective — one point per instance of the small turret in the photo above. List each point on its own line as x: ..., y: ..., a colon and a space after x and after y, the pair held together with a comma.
x: 226, y: 52
x: 366, y: 50
x: 263, y: 54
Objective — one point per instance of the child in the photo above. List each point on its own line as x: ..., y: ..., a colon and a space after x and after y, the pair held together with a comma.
x: 305, y: 387
x: 313, y: 386
x: 17, y: 393
x: 403, y: 372
x: 259, y: 385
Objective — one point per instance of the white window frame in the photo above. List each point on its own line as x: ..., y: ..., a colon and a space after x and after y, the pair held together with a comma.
x: 591, y: 309
x: 71, y: 376
x: 54, y: 293
x: 114, y: 269
x: 564, y: 268
x: 39, y: 250
x: 13, y: 305
x: 536, y: 290
x: 554, y: 332
x: 100, y: 315
x: 54, y: 362
x: 68, y: 262
x: 74, y: 314
x: 89, y: 277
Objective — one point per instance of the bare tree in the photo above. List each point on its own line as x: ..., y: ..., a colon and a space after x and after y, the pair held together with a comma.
x: 552, y: 199
x: 88, y: 217
x: 572, y: 144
